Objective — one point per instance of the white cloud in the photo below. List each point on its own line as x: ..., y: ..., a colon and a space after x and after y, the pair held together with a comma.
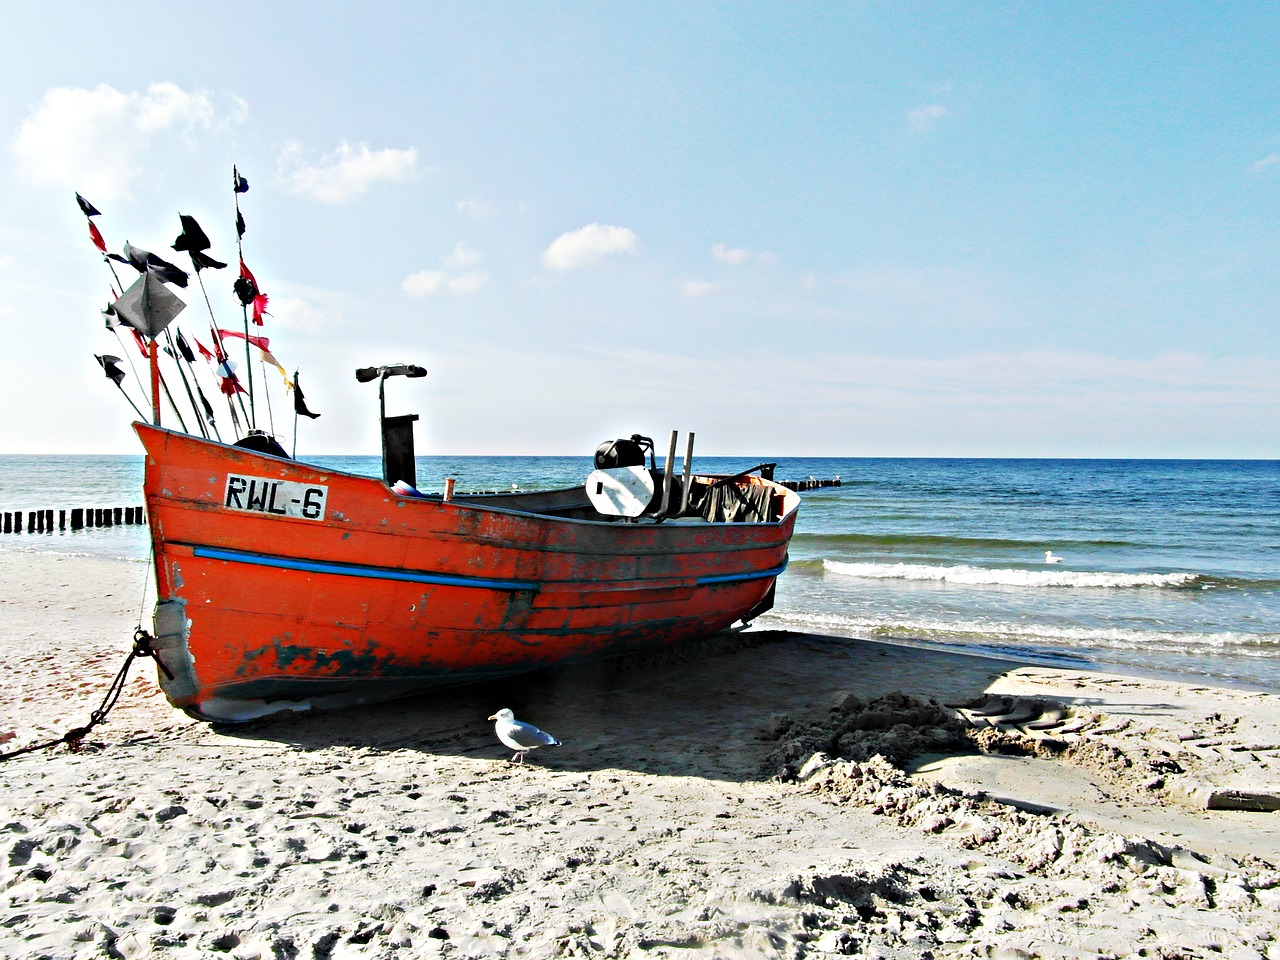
x: 346, y: 173
x: 924, y: 119
x: 477, y: 208
x: 697, y: 288
x: 468, y: 282
x: 734, y: 258
x: 1270, y: 160
x: 426, y: 283
x: 6, y: 262
x: 93, y: 140
x: 307, y: 309
x: 584, y: 248
x: 461, y: 257
x: 737, y: 256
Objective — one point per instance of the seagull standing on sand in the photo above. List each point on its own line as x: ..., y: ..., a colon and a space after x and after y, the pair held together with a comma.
x: 519, y: 736
x: 1050, y: 558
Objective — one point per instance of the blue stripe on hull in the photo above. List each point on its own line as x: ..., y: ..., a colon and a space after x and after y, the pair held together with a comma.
x: 416, y: 576
x: 739, y: 577
x: 356, y: 570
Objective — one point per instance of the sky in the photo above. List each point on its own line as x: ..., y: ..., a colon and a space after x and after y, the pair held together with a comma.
x: 829, y: 229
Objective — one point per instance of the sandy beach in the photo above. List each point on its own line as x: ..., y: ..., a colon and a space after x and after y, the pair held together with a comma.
x: 769, y: 794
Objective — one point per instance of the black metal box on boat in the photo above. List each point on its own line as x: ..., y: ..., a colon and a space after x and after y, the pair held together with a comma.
x: 397, y: 450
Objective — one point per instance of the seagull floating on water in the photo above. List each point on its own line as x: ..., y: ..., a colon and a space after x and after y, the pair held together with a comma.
x: 1050, y: 558
x: 519, y: 736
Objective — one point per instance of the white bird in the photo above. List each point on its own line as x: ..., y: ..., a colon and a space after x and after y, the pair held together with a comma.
x: 519, y: 736
x: 1050, y: 558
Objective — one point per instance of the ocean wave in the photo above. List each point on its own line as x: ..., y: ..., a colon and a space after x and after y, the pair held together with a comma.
x: 996, y: 634
x: 982, y: 576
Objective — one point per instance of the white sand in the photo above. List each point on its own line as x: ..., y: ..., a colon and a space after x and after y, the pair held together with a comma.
x: 658, y: 829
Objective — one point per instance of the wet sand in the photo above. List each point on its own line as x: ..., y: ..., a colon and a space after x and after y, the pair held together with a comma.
x: 771, y: 794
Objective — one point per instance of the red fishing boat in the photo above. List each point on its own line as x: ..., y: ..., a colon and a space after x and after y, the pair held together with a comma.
x: 283, y: 585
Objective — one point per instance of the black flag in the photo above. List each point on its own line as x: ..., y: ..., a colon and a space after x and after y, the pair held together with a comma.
x: 201, y: 260
x: 144, y: 261
x: 195, y: 241
x: 87, y: 208
x: 299, y: 401
x: 238, y: 183
x: 239, y: 224
x: 185, y: 349
x: 110, y: 366
x: 191, y: 238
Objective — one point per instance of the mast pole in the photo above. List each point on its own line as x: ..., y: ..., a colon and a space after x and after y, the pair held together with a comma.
x: 222, y: 349
x: 244, y: 307
x: 153, y: 354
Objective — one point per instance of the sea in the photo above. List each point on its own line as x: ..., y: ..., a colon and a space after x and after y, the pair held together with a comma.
x: 1169, y: 568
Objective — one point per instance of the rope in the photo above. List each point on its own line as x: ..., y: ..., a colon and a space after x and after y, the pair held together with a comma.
x: 73, y: 738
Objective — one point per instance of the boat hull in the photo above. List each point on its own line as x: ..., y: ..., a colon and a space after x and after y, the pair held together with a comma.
x: 282, y: 586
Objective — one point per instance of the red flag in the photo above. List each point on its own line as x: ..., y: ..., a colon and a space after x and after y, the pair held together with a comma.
x: 137, y: 338
x: 250, y: 293
x: 262, y: 343
x: 204, y: 352
x: 96, y: 237
x: 217, y: 346
x: 230, y: 385
x: 228, y: 382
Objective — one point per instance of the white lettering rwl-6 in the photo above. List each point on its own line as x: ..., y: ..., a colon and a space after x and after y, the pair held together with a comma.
x: 280, y: 498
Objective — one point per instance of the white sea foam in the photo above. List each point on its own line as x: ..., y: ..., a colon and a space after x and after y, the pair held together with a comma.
x: 999, y: 633
x: 981, y: 576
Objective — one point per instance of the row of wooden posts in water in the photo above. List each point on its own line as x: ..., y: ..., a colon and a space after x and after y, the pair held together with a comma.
x: 810, y: 484
x: 42, y: 521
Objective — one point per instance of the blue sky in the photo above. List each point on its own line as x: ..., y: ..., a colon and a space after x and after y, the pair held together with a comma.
x: 808, y: 229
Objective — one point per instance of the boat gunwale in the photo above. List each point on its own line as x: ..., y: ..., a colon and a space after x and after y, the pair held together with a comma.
x: 791, y: 500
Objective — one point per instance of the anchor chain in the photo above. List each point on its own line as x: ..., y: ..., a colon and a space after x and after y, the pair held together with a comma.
x: 142, y: 647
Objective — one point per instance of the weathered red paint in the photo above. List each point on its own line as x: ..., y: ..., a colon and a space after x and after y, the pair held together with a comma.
x: 247, y: 635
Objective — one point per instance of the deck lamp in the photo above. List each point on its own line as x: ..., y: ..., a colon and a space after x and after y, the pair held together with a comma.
x: 398, y: 461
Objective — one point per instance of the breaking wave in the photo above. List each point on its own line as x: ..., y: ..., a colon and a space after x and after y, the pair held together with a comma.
x: 981, y: 576
x: 997, y: 635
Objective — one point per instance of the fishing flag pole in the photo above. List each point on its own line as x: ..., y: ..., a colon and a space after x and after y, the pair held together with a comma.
x: 195, y: 242
x: 299, y: 407
x: 111, y: 367
x: 190, y: 358
x: 155, y: 382
x: 222, y: 353
x: 172, y: 350
x: 246, y: 287
x: 147, y: 306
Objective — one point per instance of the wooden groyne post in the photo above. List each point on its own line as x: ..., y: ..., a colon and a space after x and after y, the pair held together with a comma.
x: 809, y: 484
x: 43, y: 521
